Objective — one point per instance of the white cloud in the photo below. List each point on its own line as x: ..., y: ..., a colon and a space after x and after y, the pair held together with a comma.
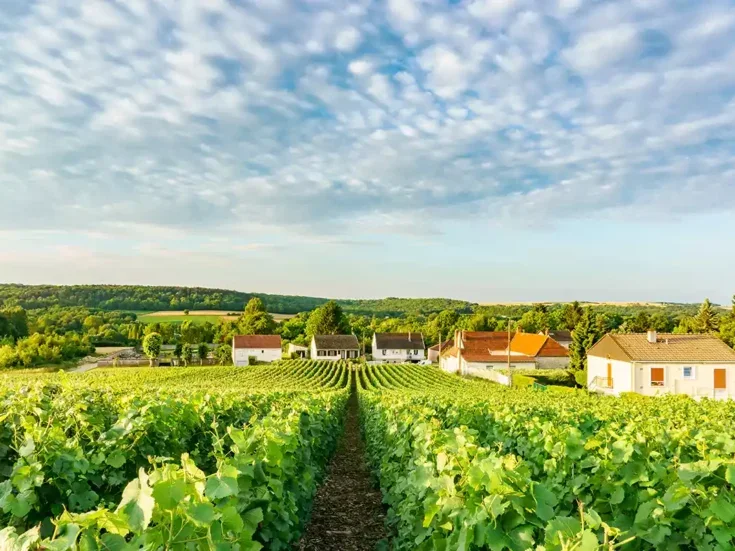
x: 447, y: 73
x: 405, y: 11
x: 360, y: 67
x: 347, y: 39
x: 597, y: 49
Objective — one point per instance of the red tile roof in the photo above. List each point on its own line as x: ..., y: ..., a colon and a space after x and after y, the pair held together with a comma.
x: 257, y: 341
x: 532, y: 344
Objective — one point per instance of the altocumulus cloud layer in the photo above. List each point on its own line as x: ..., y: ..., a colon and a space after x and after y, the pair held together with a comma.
x: 332, y: 115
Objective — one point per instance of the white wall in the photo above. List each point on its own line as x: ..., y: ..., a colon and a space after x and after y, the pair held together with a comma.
x: 449, y: 364
x: 397, y: 356
x: 485, y: 371
x: 621, y: 374
x: 702, y: 385
x: 241, y: 355
x: 336, y: 354
x: 636, y: 377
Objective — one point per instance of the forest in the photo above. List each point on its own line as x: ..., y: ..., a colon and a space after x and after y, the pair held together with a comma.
x: 144, y: 298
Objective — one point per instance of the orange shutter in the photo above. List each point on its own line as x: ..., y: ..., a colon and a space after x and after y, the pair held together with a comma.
x: 657, y: 376
x: 720, y: 379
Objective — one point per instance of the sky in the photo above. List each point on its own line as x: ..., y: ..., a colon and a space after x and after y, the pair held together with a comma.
x: 488, y: 150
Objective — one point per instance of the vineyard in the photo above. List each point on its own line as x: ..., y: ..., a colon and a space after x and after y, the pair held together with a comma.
x: 231, y: 458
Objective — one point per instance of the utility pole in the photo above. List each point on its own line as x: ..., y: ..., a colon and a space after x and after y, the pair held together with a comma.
x: 510, y: 374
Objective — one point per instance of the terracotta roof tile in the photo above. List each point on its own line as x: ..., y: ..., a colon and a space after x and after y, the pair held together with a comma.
x: 667, y: 348
x: 257, y: 341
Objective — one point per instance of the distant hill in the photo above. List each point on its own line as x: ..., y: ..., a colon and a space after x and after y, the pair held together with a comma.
x: 145, y: 298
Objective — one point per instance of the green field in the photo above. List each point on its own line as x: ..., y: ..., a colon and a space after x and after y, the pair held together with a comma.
x: 195, y: 316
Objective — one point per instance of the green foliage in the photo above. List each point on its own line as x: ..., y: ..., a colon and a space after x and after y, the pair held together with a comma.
x: 707, y: 320
x: 580, y: 376
x: 187, y: 353
x: 152, y: 346
x: 223, y: 354
x: 555, y: 377
x: 13, y: 322
x: 327, y: 320
x: 469, y: 465
x: 202, y: 352
x: 102, y: 466
x: 256, y: 320
x: 571, y: 315
x: 45, y: 349
x: 583, y: 337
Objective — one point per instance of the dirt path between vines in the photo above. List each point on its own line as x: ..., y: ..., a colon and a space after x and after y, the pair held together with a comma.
x: 348, y: 512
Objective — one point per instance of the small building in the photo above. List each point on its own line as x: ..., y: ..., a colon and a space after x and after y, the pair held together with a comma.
x: 334, y: 347
x: 264, y: 348
x: 562, y: 336
x: 436, y: 350
x: 398, y: 347
x: 482, y: 353
x: 297, y: 351
x: 547, y: 352
x: 651, y: 364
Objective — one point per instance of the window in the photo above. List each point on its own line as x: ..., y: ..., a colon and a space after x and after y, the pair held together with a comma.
x: 384, y: 351
x: 262, y: 351
x: 657, y: 376
x: 415, y: 352
x: 687, y: 372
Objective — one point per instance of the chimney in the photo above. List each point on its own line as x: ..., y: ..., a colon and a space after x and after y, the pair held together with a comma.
x: 652, y: 336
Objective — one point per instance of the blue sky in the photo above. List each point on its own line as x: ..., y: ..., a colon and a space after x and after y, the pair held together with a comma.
x: 480, y: 149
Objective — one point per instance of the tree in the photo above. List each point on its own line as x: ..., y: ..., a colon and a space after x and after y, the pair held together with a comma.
x: 187, y: 353
x: 152, y: 346
x: 256, y: 320
x: 727, y: 332
x: 178, y: 350
x: 186, y: 312
x: 190, y: 332
x: 584, y: 336
x: 14, y: 322
x: 202, y: 352
x: 223, y: 354
x: 707, y: 319
x: 534, y: 321
x: 571, y: 314
x: 327, y: 320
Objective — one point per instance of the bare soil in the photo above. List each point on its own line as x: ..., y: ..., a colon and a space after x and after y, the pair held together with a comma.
x: 348, y: 513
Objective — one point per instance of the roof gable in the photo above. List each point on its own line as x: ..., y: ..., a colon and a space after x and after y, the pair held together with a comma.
x: 257, y: 341
x: 399, y: 341
x: 528, y: 343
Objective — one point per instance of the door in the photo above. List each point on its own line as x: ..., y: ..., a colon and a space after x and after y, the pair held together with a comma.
x: 609, y: 375
x: 720, y: 379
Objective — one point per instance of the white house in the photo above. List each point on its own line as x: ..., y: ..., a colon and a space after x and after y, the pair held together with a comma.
x: 334, y: 347
x: 651, y: 364
x: 264, y: 348
x: 398, y: 347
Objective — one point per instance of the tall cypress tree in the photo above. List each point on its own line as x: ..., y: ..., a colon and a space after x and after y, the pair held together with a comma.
x: 707, y: 319
x: 584, y: 335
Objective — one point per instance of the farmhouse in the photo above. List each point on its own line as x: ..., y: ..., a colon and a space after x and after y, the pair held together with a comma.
x: 398, y: 347
x: 480, y: 352
x: 334, y: 347
x: 650, y: 364
x: 264, y: 348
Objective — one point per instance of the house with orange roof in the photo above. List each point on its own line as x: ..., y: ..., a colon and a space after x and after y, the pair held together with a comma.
x: 546, y: 351
x: 484, y: 353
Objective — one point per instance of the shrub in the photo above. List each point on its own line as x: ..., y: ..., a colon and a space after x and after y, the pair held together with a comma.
x: 553, y: 377
x: 581, y: 377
